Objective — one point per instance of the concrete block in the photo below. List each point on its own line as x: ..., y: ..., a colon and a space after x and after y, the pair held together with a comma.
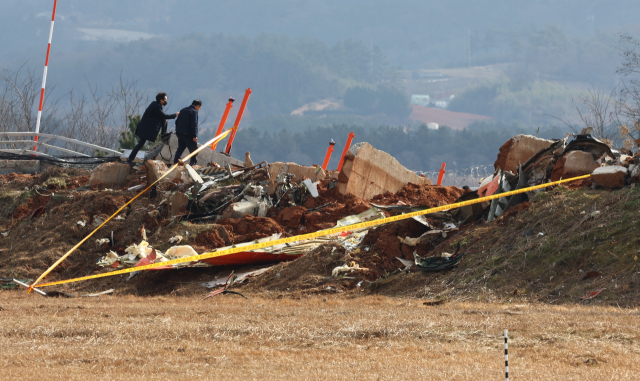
x: 574, y: 163
x: 178, y: 201
x: 610, y: 177
x: 205, y: 156
x: 371, y: 172
x: 156, y: 168
x: 518, y: 150
x: 19, y: 166
x: 247, y: 160
x: 110, y: 174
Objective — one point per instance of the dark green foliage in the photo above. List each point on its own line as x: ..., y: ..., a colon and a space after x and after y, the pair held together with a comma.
x: 510, y: 100
x: 382, y: 100
x: 128, y: 138
x: 417, y: 149
x: 283, y: 73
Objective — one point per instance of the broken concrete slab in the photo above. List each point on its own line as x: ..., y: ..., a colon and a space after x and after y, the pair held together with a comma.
x: 204, y: 157
x: 179, y: 203
x: 247, y: 160
x: 109, y: 173
x: 610, y: 177
x: 368, y: 172
x: 156, y: 168
x: 518, y: 150
x: 574, y: 163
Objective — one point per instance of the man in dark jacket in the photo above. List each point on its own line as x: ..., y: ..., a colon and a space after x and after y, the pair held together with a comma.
x: 187, y: 130
x: 153, y: 120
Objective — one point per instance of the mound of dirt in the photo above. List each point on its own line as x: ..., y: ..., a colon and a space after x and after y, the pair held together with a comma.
x: 414, y: 194
x: 384, y: 246
x: 215, y: 237
x: 250, y: 228
x: 309, y: 273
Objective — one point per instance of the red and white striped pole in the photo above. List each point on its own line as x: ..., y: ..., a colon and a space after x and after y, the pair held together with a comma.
x: 44, y: 76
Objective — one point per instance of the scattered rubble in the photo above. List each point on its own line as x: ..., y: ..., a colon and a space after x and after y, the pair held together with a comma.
x: 518, y: 150
x: 231, y: 203
x: 610, y: 177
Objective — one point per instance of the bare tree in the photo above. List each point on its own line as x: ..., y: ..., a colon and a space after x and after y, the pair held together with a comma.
x: 627, y: 108
x: 92, y: 115
x: 595, y: 109
x: 19, y: 101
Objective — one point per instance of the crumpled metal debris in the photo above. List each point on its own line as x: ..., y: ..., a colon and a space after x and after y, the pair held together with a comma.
x: 143, y: 254
x: 225, y: 289
x: 441, y: 263
x: 372, y: 213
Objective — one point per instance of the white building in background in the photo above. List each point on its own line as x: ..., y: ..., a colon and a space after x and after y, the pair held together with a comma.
x: 420, y: 100
x: 433, y: 126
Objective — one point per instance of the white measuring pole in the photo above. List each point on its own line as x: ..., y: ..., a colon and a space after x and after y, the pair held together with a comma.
x: 506, y: 355
x: 44, y: 76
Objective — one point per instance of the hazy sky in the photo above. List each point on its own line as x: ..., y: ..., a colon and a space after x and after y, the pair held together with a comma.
x: 404, y: 29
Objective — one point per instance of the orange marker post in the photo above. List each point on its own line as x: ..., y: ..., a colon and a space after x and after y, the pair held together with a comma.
x: 441, y: 173
x: 238, y: 119
x: 328, y: 155
x: 346, y: 149
x: 223, y: 121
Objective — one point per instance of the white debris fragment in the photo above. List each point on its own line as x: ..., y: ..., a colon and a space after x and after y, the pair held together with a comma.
x: 175, y: 239
x: 312, y: 187
x: 82, y: 223
x: 142, y: 250
x: 119, y: 218
x: 102, y: 241
x: 407, y: 263
x: 97, y: 221
x: 181, y: 251
x: 109, y: 259
x: 347, y: 268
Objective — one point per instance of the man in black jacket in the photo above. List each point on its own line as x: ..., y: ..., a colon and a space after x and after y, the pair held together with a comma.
x: 187, y: 130
x: 153, y: 120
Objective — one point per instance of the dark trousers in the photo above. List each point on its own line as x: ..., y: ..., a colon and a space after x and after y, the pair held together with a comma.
x: 137, y: 148
x: 185, y: 142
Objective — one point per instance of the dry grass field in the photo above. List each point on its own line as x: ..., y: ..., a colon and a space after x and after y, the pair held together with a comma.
x: 337, y: 338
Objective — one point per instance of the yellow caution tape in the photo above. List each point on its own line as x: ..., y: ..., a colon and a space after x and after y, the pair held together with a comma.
x: 317, y: 234
x: 214, y: 140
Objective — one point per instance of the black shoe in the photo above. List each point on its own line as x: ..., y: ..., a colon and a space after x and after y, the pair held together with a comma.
x: 131, y: 163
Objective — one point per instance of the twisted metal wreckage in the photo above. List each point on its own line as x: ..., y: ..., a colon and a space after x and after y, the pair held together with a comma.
x: 234, y: 191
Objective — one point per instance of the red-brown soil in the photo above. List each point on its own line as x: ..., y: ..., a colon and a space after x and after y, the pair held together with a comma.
x: 427, y: 195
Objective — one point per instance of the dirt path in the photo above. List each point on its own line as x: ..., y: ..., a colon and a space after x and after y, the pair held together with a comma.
x: 364, y: 338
